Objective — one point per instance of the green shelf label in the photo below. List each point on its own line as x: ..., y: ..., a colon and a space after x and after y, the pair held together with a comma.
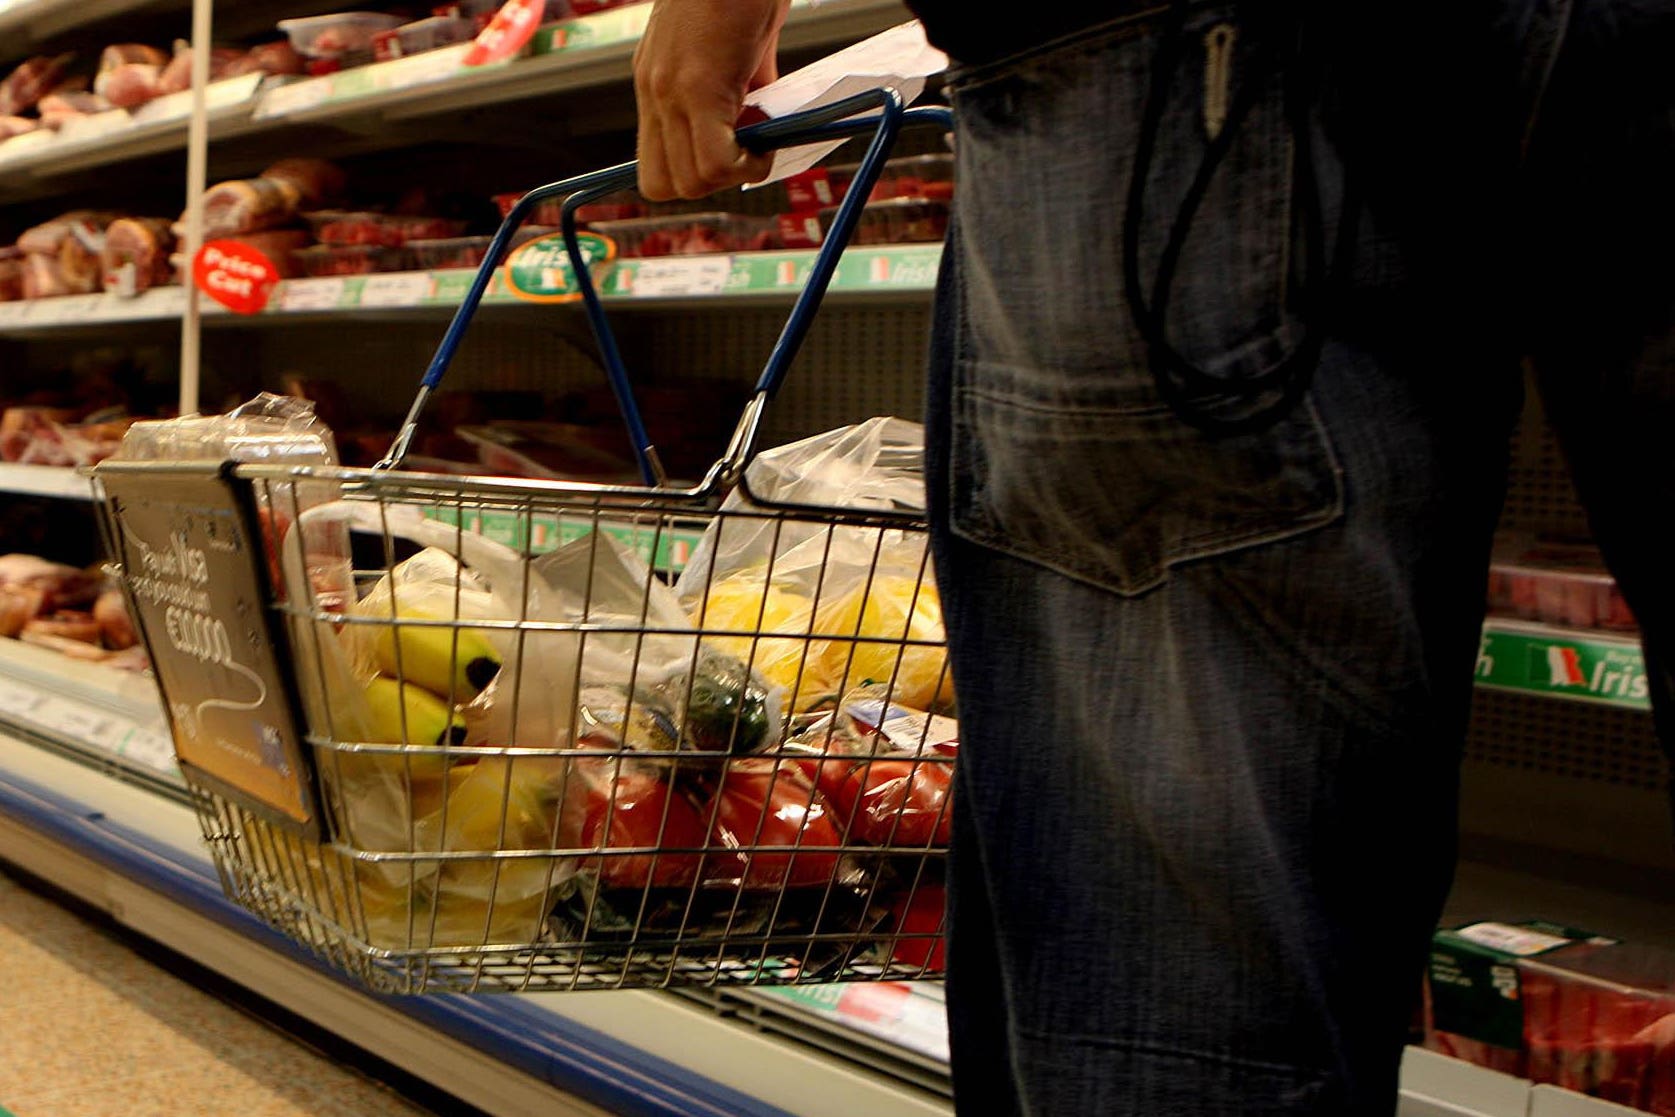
x: 620, y: 25
x: 668, y: 549
x: 540, y: 270
x: 1568, y: 666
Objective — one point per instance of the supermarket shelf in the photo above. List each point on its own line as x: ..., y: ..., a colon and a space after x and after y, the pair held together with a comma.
x: 1563, y: 663
x: 44, y: 480
x: 883, y: 272
x: 582, y: 53
x: 28, y: 162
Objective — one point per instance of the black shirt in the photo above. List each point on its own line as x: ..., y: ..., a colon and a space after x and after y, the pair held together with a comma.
x: 976, y: 31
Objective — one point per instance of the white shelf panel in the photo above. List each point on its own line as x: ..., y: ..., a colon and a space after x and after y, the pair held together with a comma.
x: 116, y: 715
x: 44, y: 480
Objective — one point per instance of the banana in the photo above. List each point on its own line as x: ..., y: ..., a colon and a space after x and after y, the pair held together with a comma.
x: 405, y: 714
x: 430, y: 657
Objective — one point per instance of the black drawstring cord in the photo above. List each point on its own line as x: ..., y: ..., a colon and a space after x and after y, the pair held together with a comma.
x: 1200, y: 398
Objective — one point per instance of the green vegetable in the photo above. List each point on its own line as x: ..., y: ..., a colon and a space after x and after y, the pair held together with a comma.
x: 726, y: 705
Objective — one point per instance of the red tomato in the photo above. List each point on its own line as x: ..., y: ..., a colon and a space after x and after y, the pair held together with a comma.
x: 763, y: 805
x: 876, y: 793
x: 633, y: 806
x: 827, y: 774
x: 921, y: 914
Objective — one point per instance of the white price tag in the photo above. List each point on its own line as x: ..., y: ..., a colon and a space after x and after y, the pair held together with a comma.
x: 95, y: 126
x: 12, y: 313
x: 409, y: 288
x: 80, y: 723
x: 297, y: 97
x: 20, y: 148
x: 152, y: 750
x: 430, y: 66
x: 681, y: 275
x: 72, y: 308
x: 233, y: 91
x: 18, y: 700
x: 311, y: 294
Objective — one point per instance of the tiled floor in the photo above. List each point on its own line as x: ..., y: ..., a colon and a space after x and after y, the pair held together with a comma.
x: 88, y: 1028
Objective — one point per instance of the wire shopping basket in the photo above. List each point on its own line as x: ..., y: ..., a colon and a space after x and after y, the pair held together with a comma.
x: 561, y: 758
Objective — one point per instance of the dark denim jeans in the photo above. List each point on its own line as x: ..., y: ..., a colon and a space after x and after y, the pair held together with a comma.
x: 1213, y: 690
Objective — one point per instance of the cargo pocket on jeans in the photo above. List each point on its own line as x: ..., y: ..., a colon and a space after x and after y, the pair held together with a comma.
x: 1115, y: 496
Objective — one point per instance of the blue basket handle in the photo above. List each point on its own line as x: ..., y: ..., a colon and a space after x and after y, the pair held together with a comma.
x: 836, y: 121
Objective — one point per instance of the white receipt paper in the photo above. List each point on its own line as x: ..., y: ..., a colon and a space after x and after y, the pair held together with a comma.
x: 899, y: 58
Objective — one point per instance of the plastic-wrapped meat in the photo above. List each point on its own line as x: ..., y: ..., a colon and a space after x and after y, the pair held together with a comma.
x: 224, y: 62
x: 246, y: 205
x: 269, y: 58
x: 16, y: 126
x: 121, y: 54
x: 43, y: 278
x: 136, y: 255
x: 128, y: 74
x: 116, y: 627
x: 62, y: 587
x: 58, y: 109
x: 47, y: 238
x: 277, y: 245
x: 78, y: 258
x: 11, y: 275
x: 275, y: 198
x: 316, y: 181
x: 18, y: 606
x: 30, y: 82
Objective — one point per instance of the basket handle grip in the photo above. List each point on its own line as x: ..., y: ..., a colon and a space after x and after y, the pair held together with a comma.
x: 836, y: 121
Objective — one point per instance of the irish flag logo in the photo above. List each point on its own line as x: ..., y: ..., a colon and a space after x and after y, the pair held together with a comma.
x: 1563, y: 667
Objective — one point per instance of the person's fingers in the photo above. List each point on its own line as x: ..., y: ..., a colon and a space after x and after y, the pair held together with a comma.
x: 656, y: 183
x: 683, y: 167
x: 767, y: 70
x: 692, y: 68
x: 717, y: 157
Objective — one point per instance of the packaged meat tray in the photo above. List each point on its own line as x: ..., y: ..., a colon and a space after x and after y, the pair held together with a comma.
x: 448, y: 252
x: 1599, y: 1018
x: 912, y: 176
x: 1556, y: 583
x: 690, y: 234
x: 896, y: 221
x: 1473, y: 1007
x: 546, y: 213
x: 338, y: 227
x: 615, y: 207
x: 333, y: 36
x: 349, y: 259
x: 420, y: 36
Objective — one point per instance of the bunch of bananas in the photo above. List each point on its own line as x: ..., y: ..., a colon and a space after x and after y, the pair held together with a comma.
x: 424, y: 672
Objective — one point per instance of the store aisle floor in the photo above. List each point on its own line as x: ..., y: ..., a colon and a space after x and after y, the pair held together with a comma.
x: 89, y: 1028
